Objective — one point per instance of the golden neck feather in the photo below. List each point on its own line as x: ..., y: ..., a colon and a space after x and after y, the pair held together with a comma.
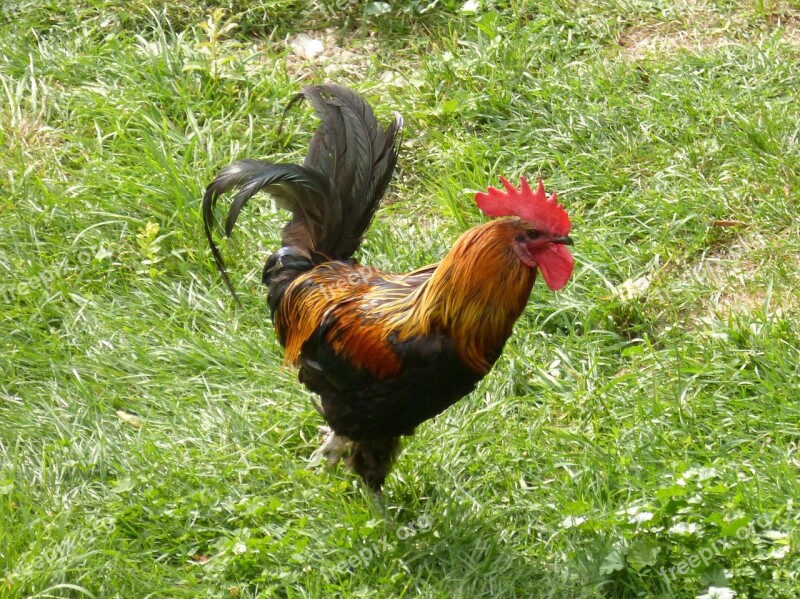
x: 476, y: 294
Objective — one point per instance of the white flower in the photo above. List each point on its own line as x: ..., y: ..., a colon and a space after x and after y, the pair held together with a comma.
x: 718, y: 593
x: 683, y: 528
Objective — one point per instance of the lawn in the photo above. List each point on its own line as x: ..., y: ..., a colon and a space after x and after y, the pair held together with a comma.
x: 639, y: 436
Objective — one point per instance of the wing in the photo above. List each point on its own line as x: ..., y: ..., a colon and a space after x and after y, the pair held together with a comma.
x: 347, y: 306
x: 358, y: 327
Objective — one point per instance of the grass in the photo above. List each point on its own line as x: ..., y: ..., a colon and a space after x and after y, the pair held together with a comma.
x: 638, y: 443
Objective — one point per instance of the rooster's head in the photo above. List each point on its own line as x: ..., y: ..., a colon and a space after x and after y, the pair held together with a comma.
x: 541, y: 228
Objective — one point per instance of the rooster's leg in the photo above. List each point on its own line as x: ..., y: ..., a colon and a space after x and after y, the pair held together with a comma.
x: 333, y: 448
x: 372, y: 460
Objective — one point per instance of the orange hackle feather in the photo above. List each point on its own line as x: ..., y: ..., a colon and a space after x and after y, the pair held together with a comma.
x: 475, y: 295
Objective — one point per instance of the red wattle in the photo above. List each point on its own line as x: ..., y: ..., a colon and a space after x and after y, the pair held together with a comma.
x: 555, y: 263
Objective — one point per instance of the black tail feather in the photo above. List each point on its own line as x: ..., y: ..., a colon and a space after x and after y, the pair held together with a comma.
x: 294, y: 187
x: 334, y: 195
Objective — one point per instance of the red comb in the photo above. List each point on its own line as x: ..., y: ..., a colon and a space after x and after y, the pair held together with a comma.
x: 536, y: 208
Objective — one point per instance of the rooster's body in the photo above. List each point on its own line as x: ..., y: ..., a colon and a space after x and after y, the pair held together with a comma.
x: 384, y: 352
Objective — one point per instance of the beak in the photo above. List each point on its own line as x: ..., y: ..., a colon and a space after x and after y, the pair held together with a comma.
x: 566, y: 240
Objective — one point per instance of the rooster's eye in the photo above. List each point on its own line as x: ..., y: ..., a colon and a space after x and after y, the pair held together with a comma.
x: 532, y: 235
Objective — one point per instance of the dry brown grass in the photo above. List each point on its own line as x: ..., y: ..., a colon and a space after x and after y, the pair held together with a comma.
x: 698, y: 29
x: 731, y: 276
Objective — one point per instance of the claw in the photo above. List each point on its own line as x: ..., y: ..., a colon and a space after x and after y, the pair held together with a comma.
x: 333, y: 448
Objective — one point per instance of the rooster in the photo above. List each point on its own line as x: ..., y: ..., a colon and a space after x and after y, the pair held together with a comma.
x: 386, y: 352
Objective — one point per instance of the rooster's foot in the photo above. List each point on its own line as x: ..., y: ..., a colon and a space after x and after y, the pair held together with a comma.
x: 333, y: 448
